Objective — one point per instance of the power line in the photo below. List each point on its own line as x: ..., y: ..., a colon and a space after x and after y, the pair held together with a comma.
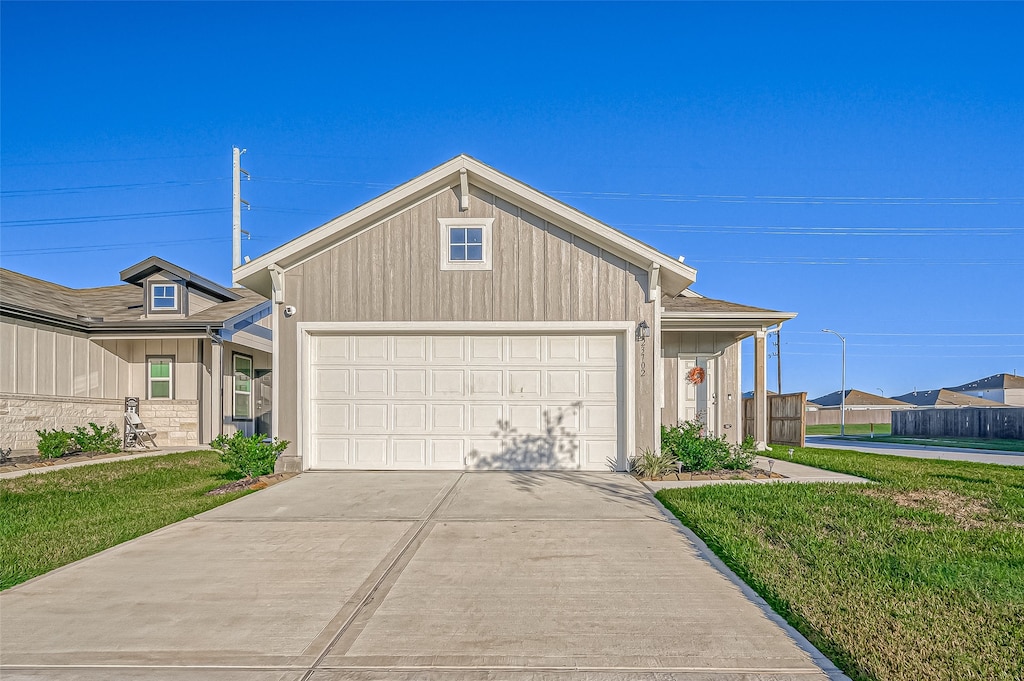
x: 65, y: 162
x: 931, y: 334
x: 103, y: 247
x: 49, y: 222
x: 16, y: 193
x: 799, y: 200
x: 809, y: 230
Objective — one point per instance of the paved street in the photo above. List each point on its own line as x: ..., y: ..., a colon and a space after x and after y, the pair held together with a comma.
x: 406, y: 576
x: 918, y: 451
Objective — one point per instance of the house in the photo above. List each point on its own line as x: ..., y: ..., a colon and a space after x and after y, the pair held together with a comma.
x: 197, y: 355
x: 1003, y: 388
x: 861, y: 407
x: 466, y: 320
x: 945, y: 398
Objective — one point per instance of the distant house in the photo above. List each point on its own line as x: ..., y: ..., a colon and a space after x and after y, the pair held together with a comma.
x: 945, y: 398
x: 1004, y: 388
x: 855, y: 398
x: 196, y: 354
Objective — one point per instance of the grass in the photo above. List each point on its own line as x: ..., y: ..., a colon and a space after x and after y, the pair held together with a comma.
x: 920, y: 576
x: 851, y: 429
x: 960, y: 442
x: 54, y: 518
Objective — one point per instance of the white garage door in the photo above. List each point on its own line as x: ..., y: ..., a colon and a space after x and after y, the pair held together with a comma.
x: 422, y: 401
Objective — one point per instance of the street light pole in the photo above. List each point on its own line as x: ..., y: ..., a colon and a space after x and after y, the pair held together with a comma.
x: 842, y: 394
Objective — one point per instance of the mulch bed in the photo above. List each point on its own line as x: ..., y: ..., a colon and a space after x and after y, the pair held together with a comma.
x: 251, y: 483
x: 720, y: 474
x: 16, y: 463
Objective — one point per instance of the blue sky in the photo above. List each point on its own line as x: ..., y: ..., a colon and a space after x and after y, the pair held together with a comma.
x: 860, y: 164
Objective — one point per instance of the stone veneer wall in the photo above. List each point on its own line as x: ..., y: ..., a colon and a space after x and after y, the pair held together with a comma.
x: 22, y: 415
x: 176, y: 422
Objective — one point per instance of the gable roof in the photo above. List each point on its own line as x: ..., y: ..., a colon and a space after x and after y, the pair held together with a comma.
x: 673, y: 275
x: 857, y: 398
x: 945, y: 398
x: 138, y: 272
x: 682, y: 311
x: 994, y: 382
x: 104, y: 308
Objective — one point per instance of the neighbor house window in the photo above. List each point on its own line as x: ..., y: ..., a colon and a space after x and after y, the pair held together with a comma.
x: 466, y: 243
x: 161, y: 378
x: 243, y: 386
x: 165, y: 297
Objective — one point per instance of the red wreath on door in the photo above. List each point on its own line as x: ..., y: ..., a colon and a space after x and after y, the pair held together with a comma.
x: 696, y: 375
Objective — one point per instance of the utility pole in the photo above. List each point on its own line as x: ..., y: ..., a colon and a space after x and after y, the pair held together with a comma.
x: 842, y: 394
x: 236, y: 206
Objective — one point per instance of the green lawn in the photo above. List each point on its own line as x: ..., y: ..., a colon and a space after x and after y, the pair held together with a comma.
x: 920, y: 576
x: 54, y: 518
x: 962, y: 442
x: 851, y: 429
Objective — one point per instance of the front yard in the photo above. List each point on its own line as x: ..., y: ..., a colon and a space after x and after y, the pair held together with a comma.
x: 54, y: 518
x: 920, y: 576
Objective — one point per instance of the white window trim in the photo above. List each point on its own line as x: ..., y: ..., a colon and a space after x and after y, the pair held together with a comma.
x: 152, y: 297
x: 486, y: 224
x: 170, y: 378
x: 235, y: 392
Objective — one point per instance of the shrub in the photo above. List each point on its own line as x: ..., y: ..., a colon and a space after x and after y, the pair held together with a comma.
x: 98, y: 439
x: 697, y: 451
x: 55, y: 443
x: 250, y: 456
x: 653, y: 464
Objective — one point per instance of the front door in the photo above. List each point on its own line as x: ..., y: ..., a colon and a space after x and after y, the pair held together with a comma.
x: 698, y: 392
x: 263, y: 390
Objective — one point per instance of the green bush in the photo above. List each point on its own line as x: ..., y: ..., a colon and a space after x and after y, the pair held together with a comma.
x: 251, y: 456
x: 98, y: 439
x: 697, y: 451
x: 55, y: 443
x: 652, y: 464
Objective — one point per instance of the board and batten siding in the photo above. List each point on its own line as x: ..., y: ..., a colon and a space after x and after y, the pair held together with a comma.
x: 391, y: 273
x: 707, y: 343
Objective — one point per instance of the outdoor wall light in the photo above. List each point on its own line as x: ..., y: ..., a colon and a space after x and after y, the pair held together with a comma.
x: 642, y: 331
x: 289, y: 310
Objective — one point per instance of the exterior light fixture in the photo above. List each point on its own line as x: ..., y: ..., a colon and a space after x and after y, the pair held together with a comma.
x: 642, y: 330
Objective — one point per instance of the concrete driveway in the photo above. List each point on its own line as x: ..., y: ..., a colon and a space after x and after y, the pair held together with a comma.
x: 402, y: 576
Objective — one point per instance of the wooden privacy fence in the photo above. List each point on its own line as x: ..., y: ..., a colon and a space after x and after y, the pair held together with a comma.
x: 1003, y: 423
x: 786, y: 417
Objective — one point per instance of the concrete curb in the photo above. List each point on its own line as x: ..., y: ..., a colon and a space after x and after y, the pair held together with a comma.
x: 827, y: 666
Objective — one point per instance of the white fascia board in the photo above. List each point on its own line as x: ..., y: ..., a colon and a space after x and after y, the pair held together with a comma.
x: 248, y: 339
x: 250, y: 316
x: 736, y: 321
x: 675, y: 276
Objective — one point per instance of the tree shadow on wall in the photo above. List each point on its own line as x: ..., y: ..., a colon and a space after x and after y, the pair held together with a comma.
x: 554, y: 447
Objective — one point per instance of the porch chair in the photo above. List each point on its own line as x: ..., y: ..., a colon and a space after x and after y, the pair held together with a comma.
x: 138, y: 430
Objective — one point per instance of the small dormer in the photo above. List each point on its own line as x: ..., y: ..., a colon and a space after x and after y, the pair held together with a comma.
x: 171, y: 292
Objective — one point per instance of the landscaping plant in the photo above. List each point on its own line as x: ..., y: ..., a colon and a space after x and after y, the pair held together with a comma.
x: 56, y: 443
x: 695, y: 450
x: 652, y: 464
x: 249, y: 456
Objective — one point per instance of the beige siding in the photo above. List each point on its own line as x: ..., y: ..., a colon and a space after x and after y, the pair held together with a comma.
x: 9, y: 352
x: 540, y: 272
x: 730, y: 402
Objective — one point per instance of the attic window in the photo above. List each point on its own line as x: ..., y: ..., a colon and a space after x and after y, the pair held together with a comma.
x: 164, y: 297
x: 465, y: 243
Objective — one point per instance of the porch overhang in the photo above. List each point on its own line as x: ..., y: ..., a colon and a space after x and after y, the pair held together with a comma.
x: 742, y: 324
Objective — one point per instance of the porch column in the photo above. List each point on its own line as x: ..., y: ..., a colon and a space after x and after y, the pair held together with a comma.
x: 217, y: 389
x: 760, y: 390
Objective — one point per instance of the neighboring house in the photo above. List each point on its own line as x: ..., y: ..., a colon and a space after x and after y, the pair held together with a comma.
x: 861, y: 407
x: 197, y: 354
x: 466, y: 320
x: 945, y: 398
x: 1004, y: 388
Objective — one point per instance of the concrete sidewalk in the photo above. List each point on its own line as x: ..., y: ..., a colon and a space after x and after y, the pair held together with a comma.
x: 401, y: 577
x: 918, y: 451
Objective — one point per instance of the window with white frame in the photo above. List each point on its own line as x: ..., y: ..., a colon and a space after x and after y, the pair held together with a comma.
x: 242, y: 386
x: 164, y: 297
x: 466, y: 243
x: 160, y: 372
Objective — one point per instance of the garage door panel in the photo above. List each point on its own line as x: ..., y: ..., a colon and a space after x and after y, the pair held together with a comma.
x: 370, y: 383
x: 447, y: 383
x: 333, y: 418
x: 436, y: 401
x: 409, y: 452
x: 370, y: 452
x: 409, y: 349
x: 448, y: 416
x: 410, y: 417
x: 447, y: 453
x: 371, y: 348
x: 332, y: 383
